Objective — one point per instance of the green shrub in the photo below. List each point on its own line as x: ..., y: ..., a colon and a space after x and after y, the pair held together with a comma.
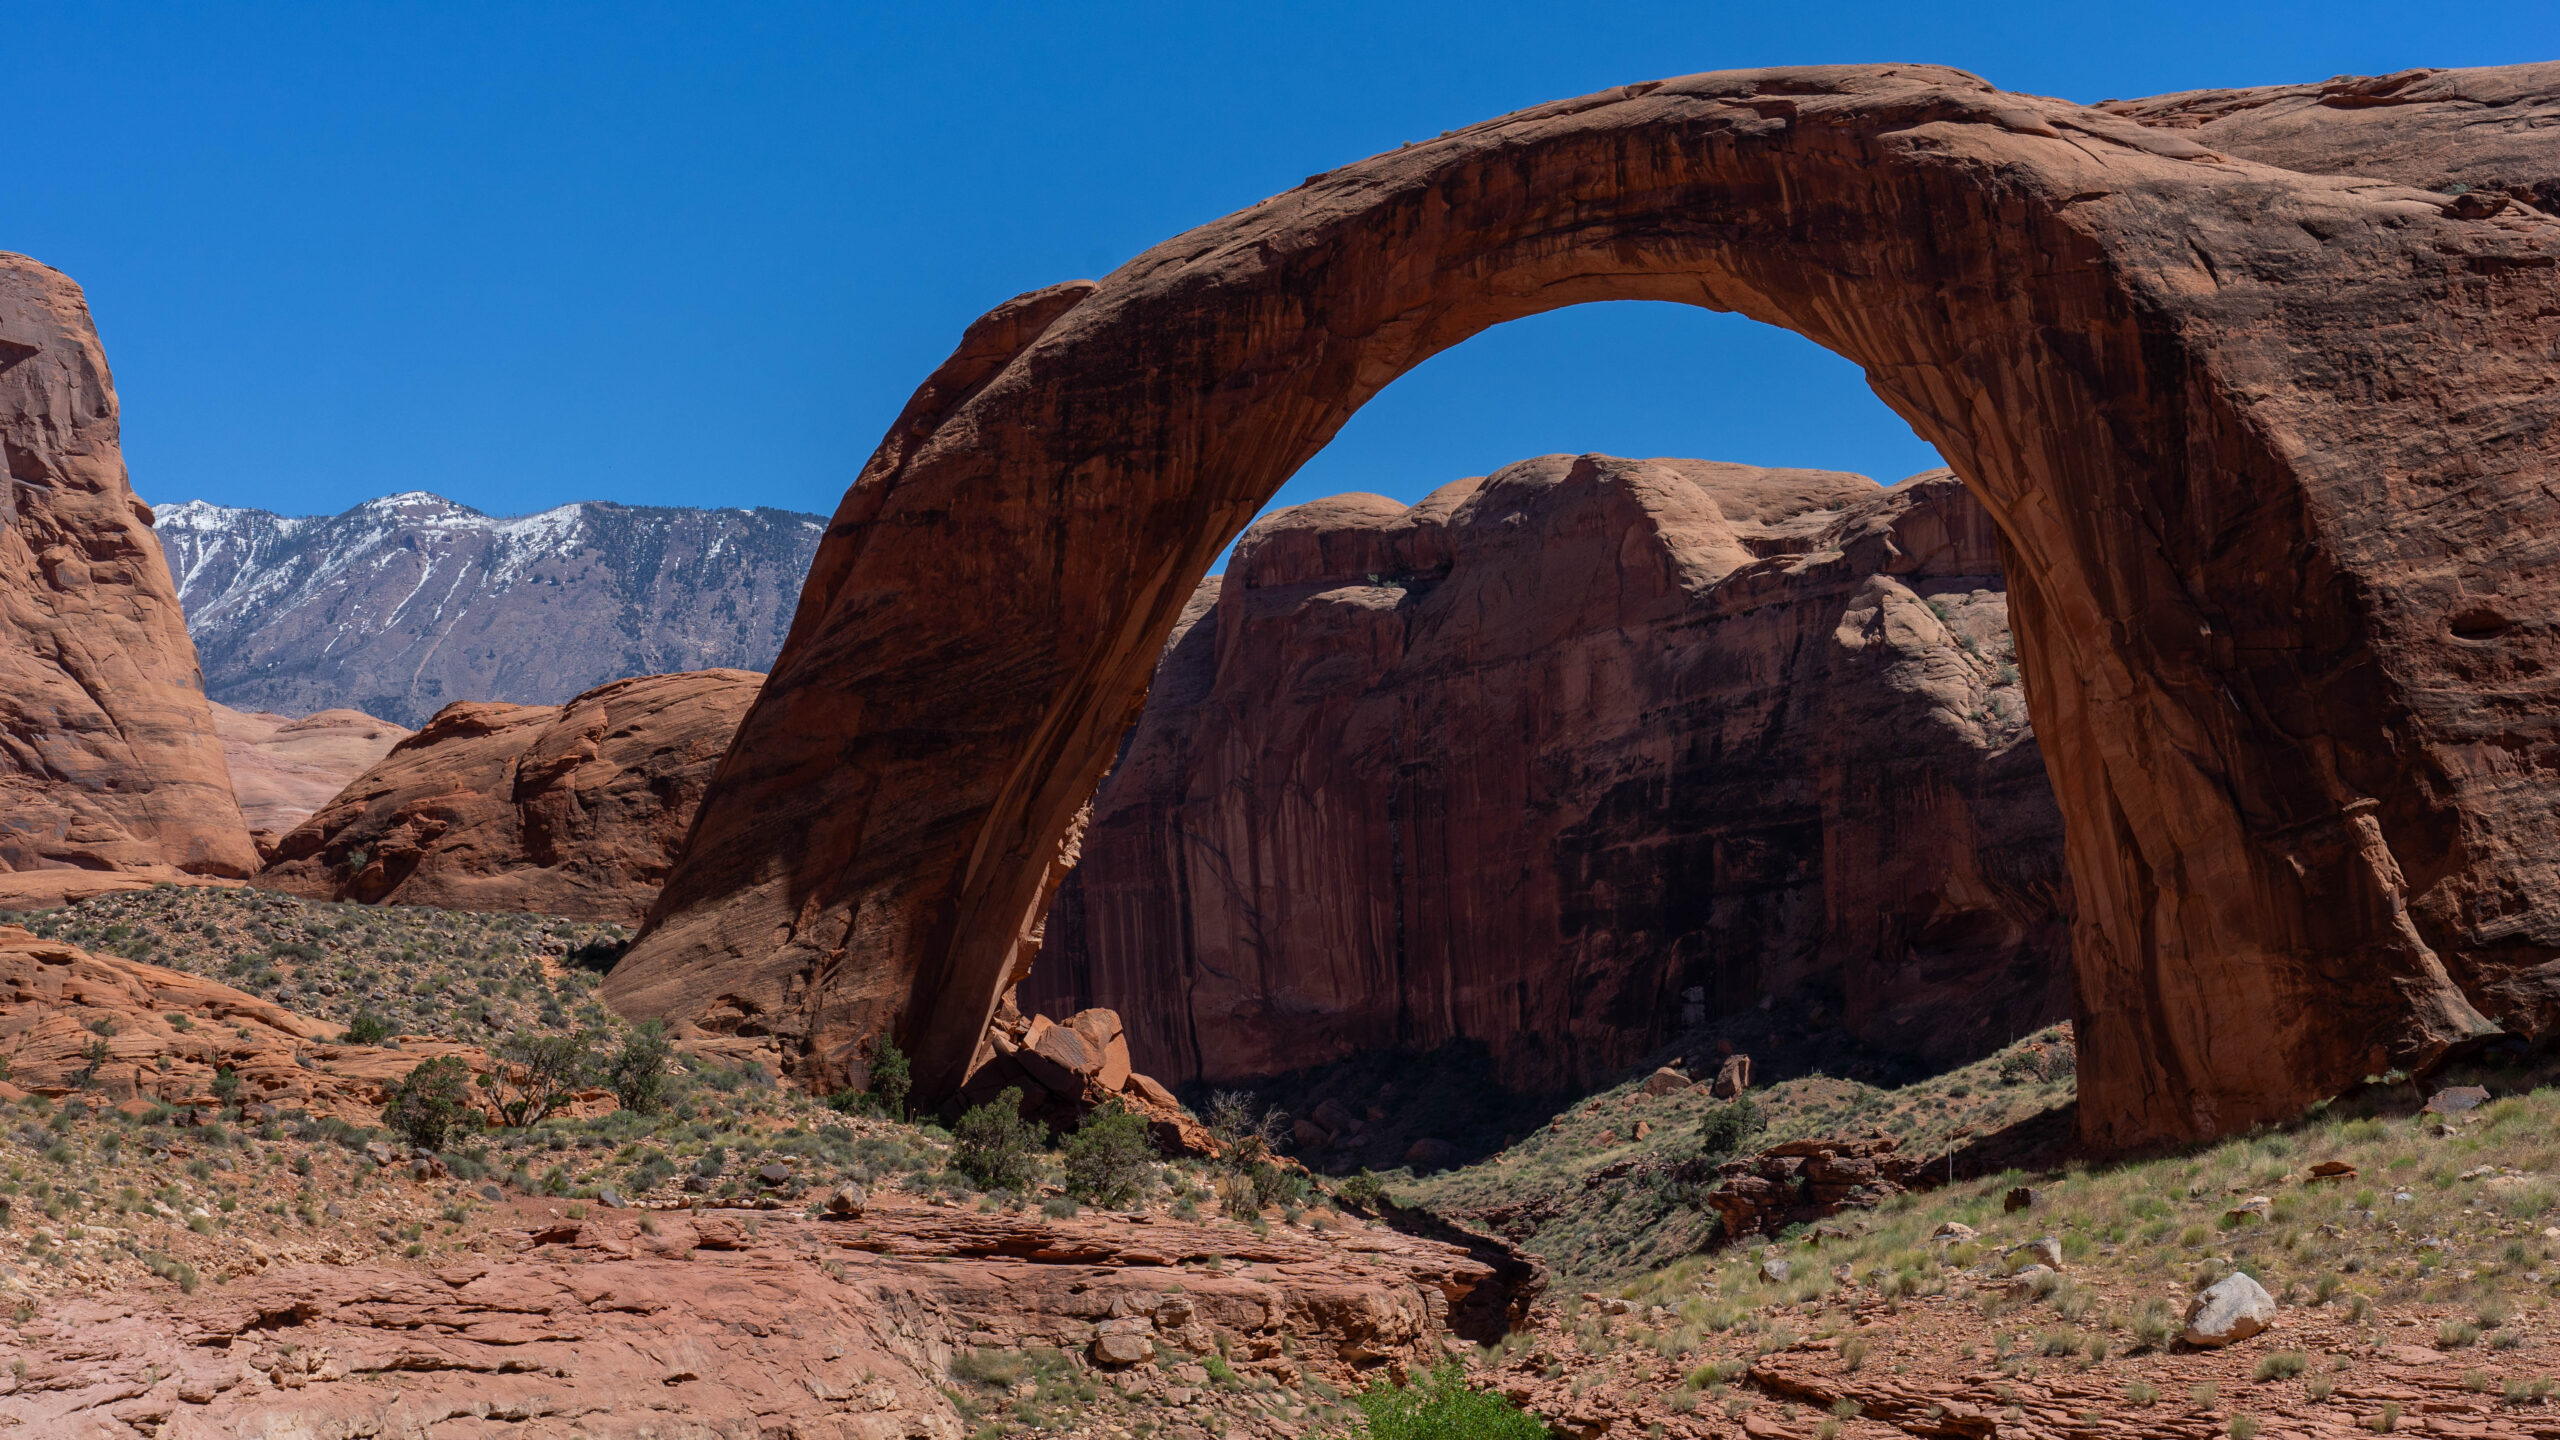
x: 1728, y: 1125
x: 429, y: 1101
x: 995, y: 1147
x: 367, y: 1028
x: 1441, y: 1407
x: 1108, y: 1159
x: 638, y: 1070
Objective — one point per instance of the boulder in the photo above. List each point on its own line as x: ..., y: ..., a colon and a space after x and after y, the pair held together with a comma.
x: 1123, y: 1348
x: 573, y: 809
x: 1430, y: 1153
x: 847, y: 1202
x: 109, y: 760
x: 1665, y: 1081
x: 2028, y: 1281
x: 1775, y: 1272
x: 2231, y: 1309
x: 2046, y: 1250
x: 2456, y: 1100
x: 1733, y: 1077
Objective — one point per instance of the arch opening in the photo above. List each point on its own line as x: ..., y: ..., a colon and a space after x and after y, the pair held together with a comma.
x: 2174, y: 409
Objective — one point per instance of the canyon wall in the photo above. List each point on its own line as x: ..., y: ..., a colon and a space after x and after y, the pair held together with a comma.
x: 1567, y: 759
x: 573, y: 809
x: 108, y: 756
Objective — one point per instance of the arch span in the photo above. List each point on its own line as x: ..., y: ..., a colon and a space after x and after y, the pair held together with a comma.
x: 2263, y: 448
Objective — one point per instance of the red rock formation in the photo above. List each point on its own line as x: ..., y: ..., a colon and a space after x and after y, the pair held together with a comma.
x: 166, y: 1035
x: 2485, y: 132
x: 574, y: 809
x: 108, y: 758
x: 1067, y: 1069
x: 284, y: 769
x: 2273, y: 454
x: 701, y: 1325
x: 1535, y: 759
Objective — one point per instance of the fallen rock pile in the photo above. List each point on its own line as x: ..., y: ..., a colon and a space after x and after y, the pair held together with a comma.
x: 1067, y: 1069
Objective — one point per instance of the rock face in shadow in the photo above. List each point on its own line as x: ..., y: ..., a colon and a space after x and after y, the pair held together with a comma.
x: 108, y: 757
x: 573, y: 809
x: 2272, y: 456
x: 1567, y: 760
x: 284, y: 769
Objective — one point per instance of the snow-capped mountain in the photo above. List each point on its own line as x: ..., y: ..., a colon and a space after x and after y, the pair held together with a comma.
x: 404, y: 604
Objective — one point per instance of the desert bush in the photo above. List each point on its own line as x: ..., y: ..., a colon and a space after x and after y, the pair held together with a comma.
x: 1108, y: 1159
x: 891, y: 1078
x: 1441, y: 1407
x: 429, y: 1101
x: 638, y: 1070
x: 1727, y: 1126
x: 995, y: 1147
x: 367, y: 1028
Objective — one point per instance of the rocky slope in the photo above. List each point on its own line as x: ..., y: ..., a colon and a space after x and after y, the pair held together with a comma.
x: 359, y: 1287
x: 108, y: 758
x: 1568, y: 760
x: 2273, y: 451
x: 284, y: 768
x: 573, y: 809
x: 403, y: 605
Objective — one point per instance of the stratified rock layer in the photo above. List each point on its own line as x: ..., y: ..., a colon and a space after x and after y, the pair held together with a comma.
x: 1566, y: 760
x: 284, y: 769
x: 2272, y: 453
x: 573, y: 809
x: 739, y: 1323
x: 108, y: 758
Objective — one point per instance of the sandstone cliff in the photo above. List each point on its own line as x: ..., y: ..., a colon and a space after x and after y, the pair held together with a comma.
x: 108, y: 757
x: 1567, y: 759
x: 283, y: 769
x: 573, y: 809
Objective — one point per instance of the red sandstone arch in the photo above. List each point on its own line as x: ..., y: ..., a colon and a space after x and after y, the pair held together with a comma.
x: 2271, y: 455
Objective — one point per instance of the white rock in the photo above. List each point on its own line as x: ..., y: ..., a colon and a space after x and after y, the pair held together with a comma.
x: 1955, y: 1230
x: 1774, y: 1271
x: 2234, y: 1307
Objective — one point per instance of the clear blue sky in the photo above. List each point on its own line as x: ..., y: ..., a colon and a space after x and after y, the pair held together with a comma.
x: 521, y: 254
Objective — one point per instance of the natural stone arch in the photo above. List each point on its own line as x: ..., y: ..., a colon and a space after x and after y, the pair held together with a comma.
x: 2267, y: 452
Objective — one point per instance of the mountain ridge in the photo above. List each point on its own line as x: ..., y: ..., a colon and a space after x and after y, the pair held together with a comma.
x: 400, y: 605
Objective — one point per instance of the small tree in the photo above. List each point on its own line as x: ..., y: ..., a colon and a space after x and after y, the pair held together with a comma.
x: 366, y: 1028
x: 638, y: 1070
x: 1727, y: 1126
x: 540, y: 1074
x: 995, y: 1147
x: 1108, y: 1158
x: 890, y: 1079
x: 1247, y: 1132
x: 429, y: 1101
